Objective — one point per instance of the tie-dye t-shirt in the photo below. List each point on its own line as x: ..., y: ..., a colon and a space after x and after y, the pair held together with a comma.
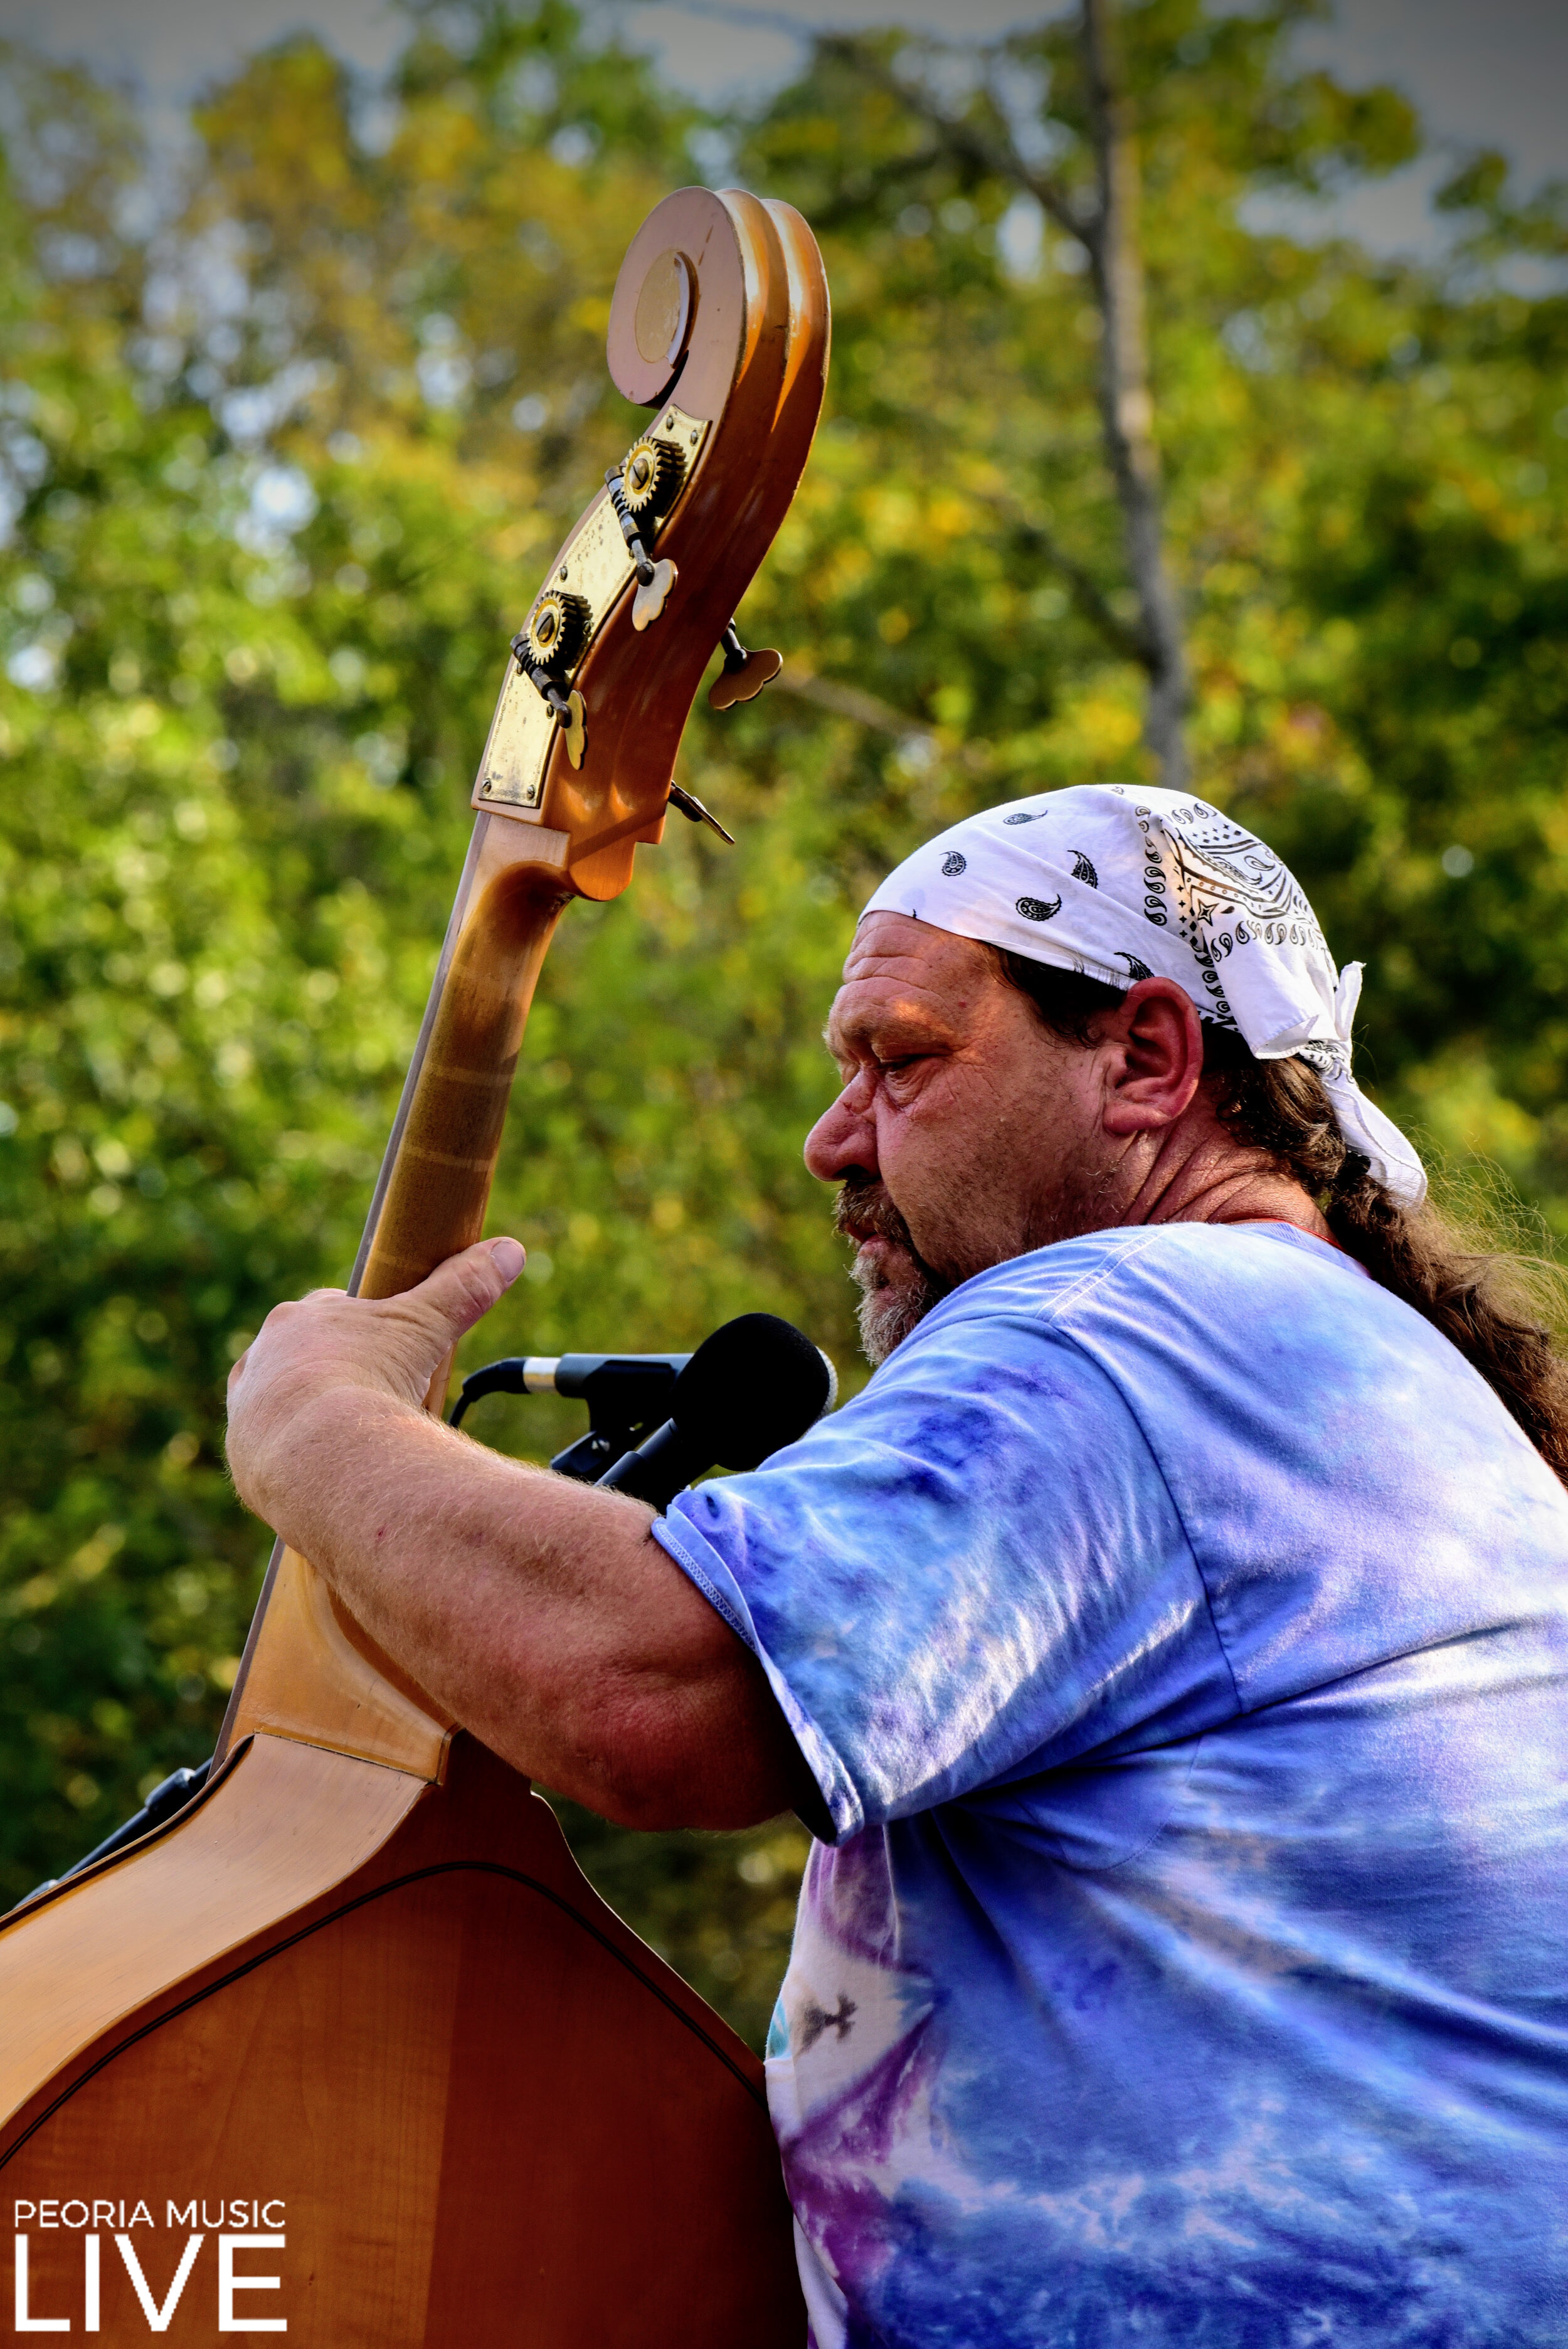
x: 1178, y: 1630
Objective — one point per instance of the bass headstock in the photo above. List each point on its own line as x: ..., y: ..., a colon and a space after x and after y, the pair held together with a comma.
x: 719, y: 326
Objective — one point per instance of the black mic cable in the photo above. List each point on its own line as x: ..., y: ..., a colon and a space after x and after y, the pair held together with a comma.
x: 636, y: 1381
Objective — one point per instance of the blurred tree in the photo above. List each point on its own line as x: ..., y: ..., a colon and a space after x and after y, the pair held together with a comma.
x: 278, y: 480
x: 1098, y: 211
x: 1359, y: 457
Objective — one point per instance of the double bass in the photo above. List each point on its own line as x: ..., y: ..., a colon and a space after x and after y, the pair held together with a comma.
x: 349, y: 2048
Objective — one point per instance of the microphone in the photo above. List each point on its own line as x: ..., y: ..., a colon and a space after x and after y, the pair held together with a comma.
x: 756, y: 1385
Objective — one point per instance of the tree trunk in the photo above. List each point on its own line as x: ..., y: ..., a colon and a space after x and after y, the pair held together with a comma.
x: 1127, y: 410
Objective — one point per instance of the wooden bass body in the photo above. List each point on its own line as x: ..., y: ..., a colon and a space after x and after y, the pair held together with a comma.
x: 350, y: 2048
x: 452, y: 2098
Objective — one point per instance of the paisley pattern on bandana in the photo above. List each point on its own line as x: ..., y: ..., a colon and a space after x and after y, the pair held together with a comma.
x: 1222, y: 870
x: 1177, y: 1628
x: 1135, y: 883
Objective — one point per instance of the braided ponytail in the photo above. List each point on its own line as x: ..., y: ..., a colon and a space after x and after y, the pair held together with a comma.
x: 1479, y: 1298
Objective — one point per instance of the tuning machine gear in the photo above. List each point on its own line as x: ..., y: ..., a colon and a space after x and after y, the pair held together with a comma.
x: 545, y: 648
x: 567, y: 708
x: 654, y: 580
x: 651, y: 476
x: 556, y: 631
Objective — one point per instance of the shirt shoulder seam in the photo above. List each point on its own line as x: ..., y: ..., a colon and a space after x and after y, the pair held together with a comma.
x: 1134, y: 1245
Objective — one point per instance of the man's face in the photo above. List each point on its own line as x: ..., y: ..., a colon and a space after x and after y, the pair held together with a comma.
x: 967, y: 1134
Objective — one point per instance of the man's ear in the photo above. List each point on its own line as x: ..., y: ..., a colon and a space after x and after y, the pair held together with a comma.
x: 1156, y: 1058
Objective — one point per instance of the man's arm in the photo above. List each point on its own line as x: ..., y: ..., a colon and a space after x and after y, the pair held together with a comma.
x: 541, y: 1611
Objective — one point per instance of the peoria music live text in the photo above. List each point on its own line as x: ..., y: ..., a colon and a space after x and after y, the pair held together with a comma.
x: 50, y: 2292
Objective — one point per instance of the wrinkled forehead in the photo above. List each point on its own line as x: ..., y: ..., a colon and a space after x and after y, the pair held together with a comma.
x: 898, y: 968
x: 895, y: 944
x: 1121, y: 885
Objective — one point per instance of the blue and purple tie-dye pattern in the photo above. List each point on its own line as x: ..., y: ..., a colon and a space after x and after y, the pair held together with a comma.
x: 1178, y: 1629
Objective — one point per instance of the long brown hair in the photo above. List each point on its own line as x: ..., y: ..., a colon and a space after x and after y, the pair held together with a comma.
x: 1479, y: 1297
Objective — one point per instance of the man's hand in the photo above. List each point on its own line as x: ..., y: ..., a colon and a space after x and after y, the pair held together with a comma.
x: 392, y: 1347
x: 543, y: 1613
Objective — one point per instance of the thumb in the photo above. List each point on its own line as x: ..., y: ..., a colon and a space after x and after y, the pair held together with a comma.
x: 462, y: 1290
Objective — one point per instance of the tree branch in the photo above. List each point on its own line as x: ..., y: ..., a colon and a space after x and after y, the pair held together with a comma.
x: 848, y: 702
x: 962, y: 139
x: 1111, y: 238
x: 1127, y: 410
x: 851, y: 208
x: 879, y: 717
x: 1129, y: 642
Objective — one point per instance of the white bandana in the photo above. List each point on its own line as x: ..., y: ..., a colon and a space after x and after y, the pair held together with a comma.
x: 1123, y: 884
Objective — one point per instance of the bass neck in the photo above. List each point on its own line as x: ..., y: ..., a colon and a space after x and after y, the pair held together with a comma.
x: 309, y: 1670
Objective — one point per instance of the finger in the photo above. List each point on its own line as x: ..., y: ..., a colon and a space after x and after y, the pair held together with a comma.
x: 462, y: 1290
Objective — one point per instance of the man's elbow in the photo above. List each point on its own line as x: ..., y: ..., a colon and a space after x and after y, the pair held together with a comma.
x: 716, y: 1757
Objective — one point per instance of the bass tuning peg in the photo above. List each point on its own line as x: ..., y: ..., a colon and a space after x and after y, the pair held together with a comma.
x: 744, y: 674
x: 692, y: 807
x: 567, y: 708
x: 654, y: 580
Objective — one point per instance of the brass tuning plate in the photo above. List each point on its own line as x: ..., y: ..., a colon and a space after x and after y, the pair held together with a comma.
x: 591, y: 574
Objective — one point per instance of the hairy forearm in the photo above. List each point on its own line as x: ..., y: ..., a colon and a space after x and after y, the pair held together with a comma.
x: 541, y: 1612
x: 459, y: 1562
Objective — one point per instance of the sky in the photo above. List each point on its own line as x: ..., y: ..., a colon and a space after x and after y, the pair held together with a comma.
x: 1483, y: 72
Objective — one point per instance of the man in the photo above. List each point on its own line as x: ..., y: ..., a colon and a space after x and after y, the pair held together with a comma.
x: 1169, y: 1645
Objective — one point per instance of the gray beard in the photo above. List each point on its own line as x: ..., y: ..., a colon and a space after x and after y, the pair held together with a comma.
x: 887, y: 1316
x: 888, y: 1311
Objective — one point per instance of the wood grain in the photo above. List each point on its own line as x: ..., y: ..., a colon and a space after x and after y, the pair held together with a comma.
x: 435, y: 1201
x: 287, y: 1823
x: 490, y: 2115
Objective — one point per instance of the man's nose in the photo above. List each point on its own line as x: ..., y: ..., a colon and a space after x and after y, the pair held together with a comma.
x: 843, y: 1136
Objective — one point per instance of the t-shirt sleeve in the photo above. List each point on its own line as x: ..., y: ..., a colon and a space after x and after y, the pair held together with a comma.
x: 973, y: 1570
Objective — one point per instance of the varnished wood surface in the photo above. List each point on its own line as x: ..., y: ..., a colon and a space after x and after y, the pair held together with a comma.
x: 287, y: 1823
x: 492, y: 2115
x: 314, y: 1673
x: 435, y: 1201
x: 639, y: 688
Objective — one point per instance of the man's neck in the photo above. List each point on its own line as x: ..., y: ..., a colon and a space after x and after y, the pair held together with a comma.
x: 1200, y: 1174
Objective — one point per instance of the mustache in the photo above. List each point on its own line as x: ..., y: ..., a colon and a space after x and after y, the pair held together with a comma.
x: 862, y: 1211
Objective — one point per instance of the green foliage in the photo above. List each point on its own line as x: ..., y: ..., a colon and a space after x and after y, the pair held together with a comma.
x: 280, y: 485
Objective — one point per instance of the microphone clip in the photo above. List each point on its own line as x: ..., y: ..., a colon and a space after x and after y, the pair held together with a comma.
x: 627, y: 1395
